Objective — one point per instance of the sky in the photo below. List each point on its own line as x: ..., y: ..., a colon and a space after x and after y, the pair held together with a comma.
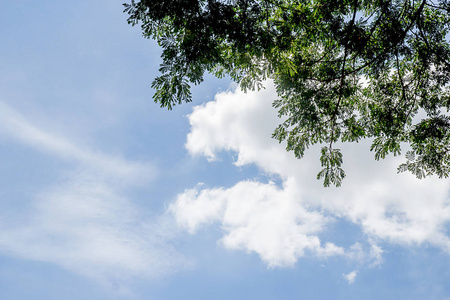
x: 105, y: 195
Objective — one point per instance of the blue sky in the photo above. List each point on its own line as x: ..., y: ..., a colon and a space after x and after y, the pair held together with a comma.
x: 106, y: 196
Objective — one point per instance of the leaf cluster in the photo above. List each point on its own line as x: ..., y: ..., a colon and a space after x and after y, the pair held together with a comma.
x: 344, y: 70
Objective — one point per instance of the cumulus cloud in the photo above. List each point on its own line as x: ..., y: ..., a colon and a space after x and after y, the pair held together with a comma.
x: 282, y: 223
x: 256, y: 217
x: 85, y: 222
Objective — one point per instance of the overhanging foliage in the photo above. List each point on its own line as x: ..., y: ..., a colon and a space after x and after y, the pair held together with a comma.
x: 344, y: 69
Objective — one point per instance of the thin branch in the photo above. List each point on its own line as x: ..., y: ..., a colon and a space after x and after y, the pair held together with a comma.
x: 400, y: 78
x: 334, y: 116
x: 416, y: 15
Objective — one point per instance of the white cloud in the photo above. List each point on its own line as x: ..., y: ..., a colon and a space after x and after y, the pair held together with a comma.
x: 15, y: 125
x: 87, y: 227
x: 370, y: 253
x: 350, y: 277
x: 257, y: 217
x: 376, y: 253
x: 85, y: 222
x: 281, y: 223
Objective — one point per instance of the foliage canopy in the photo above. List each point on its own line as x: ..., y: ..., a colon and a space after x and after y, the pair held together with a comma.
x: 344, y: 70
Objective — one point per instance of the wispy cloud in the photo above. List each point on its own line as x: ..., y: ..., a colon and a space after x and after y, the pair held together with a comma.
x: 85, y: 222
x: 350, y: 277
x: 15, y: 125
